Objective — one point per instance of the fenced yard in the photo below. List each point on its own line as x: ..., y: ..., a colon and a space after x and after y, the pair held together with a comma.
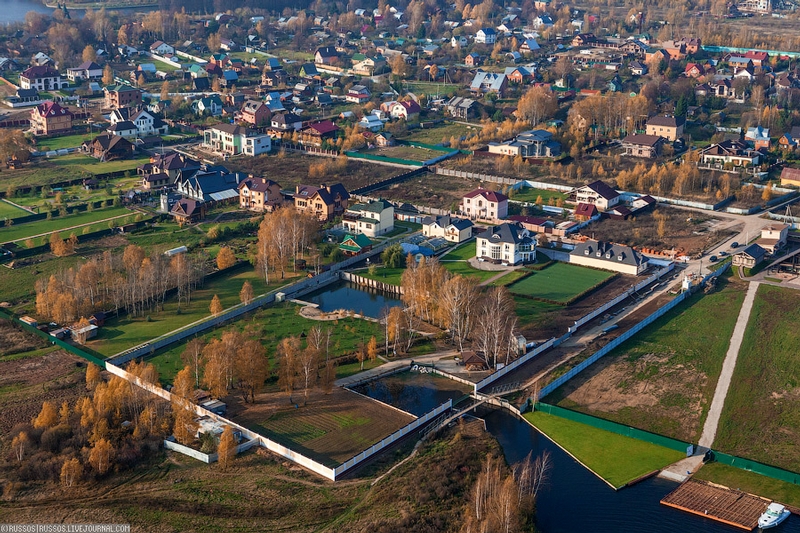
x: 559, y: 282
x: 24, y: 231
x: 330, y: 429
x: 8, y: 211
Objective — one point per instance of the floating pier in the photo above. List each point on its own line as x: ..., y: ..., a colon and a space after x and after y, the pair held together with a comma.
x: 730, y: 506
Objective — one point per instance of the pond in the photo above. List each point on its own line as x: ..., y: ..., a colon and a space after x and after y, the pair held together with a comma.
x: 351, y: 297
x: 413, y: 392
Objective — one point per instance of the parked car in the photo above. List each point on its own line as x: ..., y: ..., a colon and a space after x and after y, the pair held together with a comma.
x: 713, y: 258
x: 734, y: 244
x: 723, y: 253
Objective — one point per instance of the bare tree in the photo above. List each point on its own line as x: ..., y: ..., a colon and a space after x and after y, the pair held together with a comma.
x: 495, y: 321
x: 307, y: 365
x: 458, y: 302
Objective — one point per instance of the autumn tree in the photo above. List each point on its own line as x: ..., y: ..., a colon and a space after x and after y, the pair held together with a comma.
x: 216, y: 306
x: 93, y: 376
x: 215, y: 372
x: 288, y: 353
x: 47, y: 417
x: 251, y: 367
x: 71, y: 472
x: 372, y: 350
x: 307, y: 365
x: 225, y: 258
x: 20, y: 444
x: 246, y: 294
x: 399, y: 66
x: 184, y: 426
x: 101, y: 456
x: 226, y: 449
x: 459, y: 302
x: 164, y: 91
x: 495, y: 322
x: 89, y: 54
x: 536, y: 105
x: 192, y: 357
x: 108, y: 75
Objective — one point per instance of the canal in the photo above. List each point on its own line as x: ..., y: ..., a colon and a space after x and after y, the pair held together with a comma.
x: 351, y: 297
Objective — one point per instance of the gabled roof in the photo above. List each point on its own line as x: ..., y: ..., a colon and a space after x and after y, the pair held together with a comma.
x: 508, y: 232
x: 327, y: 51
x: 666, y: 121
x: 42, y: 71
x: 286, y: 118
x: 611, y: 252
x: 52, y: 109
x: 372, y: 206
x: 643, y: 140
x: 355, y: 243
x: 122, y: 125
x: 89, y: 65
x: 445, y: 221
x: 492, y: 196
x: 755, y: 251
x: 323, y: 127
x: 602, y: 189
x: 258, y: 184
x: 585, y: 210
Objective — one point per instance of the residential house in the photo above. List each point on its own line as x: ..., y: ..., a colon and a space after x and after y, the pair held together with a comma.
x: 449, y: 228
x: 584, y: 39
x: 325, y: 202
x: 458, y: 41
x: 750, y: 257
x: 161, y: 48
x: 473, y: 60
x: 609, y: 256
x: 369, y: 66
x: 371, y: 122
x: 486, y: 82
x: 188, y: 211
x: 228, y: 78
x: 509, y: 243
x: 358, y: 94
x: 42, y: 78
x: 694, y: 70
x: 211, y: 184
x: 255, y: 113
x: 486, y: 36
x: 326, y: 55
x: 532, y: 143
x: 108, y: 147
x: 131, y: 122
x: 738, y: 64
x: 408, y: 110
x: 637, y: 68
x: 585, y: 212
x: 529, y: 46
x: 669, y: 127
x: 596, y: 193
x: 228, y: 45
x: 123, y: 128
x: 759, y: 137
x: 197, y: 71
x: 790, y: 177
x: 615, y: 84
x: 308, y: 71
x: 318, y: 132
x: 484, y: 204
x: 518, y: 75
x: 460, y: 107
x: 272, y: 64
x: 372, y: 218
x: 259, y: 194
x: 234, y: 140
x: 355, y: 244
x: 543, y: 22
x: 643, y: 145
x: 24, y: 98
x: 730, y: 153
x: 787, y: 142
x: 49, y: 118
x: 152, y: 182
x: 286, y: 122
x: 208, y: 105
x: 170, y: 163
x: 88, y: 70
x: 117, y: 96
x: 384, y: 139
x: 774, y: 237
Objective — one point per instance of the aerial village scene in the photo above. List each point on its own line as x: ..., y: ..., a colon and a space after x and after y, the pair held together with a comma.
x: 400, y: 266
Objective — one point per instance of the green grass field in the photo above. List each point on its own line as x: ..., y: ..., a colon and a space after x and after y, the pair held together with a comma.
x: 751, y: 482
x: 461, y: 252
x: 440, y: 133
x: 59, y: 143
x: 677, y: 359
x: 91, y: 165
x: 761, y: 416
x: 24, y: 231
x: 410, y: 153
x: 615, y: 458
x: 391, y: 276
x: 529, y: 194
x: 8, y: 211
x: 120, y: 334
x: 273, y: 324
x: 559, y: 282
x: 465, y: 269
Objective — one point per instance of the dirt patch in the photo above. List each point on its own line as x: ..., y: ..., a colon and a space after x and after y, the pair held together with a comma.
x: 26, y: 382
x: 14, y: 340
x: 431, y: 190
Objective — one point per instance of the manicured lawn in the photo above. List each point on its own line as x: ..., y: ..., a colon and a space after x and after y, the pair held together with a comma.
x: 529, y: 194
x: 275, y: 323
x: 615, y: 458
x: 465, y: 269
x: 542, y: 314
x: 509, y: 278
x: 559, y: 282
x: 11, y: 211
x: 440, y: 133
x: 121, y: 334
x: 391, y: 276
x: 761, y: 416
x: 751, y: 482
x: 67, y: 141
x: 23, y: 231
x: 349, y: 369
x: 676, y: 360
x: 461, y: 252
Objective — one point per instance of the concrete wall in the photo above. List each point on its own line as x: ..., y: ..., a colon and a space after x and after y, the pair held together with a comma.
x: 372, y: 284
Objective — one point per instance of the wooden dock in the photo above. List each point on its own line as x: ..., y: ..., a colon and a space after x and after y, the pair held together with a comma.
x: 723, y: 504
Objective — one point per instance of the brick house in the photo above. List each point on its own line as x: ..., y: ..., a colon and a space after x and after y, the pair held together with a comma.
x: 325, y: 202
x: 259, y: 194
x: 122, y: 96
x: 49, y: 117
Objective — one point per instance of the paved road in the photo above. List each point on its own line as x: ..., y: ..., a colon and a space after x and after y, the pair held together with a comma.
x: 724, y: 382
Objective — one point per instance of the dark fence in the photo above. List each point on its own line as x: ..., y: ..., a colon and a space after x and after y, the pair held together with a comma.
x: 390, y: 181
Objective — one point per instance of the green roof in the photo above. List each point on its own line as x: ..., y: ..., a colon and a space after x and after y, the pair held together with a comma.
x: 373, y: 206
x: 360, y: 241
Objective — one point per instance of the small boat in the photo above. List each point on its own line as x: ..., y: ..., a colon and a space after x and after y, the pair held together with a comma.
x: 774, y: 515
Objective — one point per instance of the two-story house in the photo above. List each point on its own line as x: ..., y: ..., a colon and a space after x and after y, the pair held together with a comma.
x: 208, y: 105
x: 671, y: 128
x: 730, y: 153
x: 372, y: 218
x: 509, y: 244
x: 609, y: 256
x: 325, y: 202
x: 489, y: 82
x: 49, y: 118
x: 161, y: 48
x: 122, y: 96
x: 42, y: 78
x: 259, y: 194
x: 597, y: 194
x: 286, y: 122
x: 408, y: 110
x: 485, y: 204
x: 88, y: 70
x: 255, y: 113
x: 452, y: 229
x: 773, y: 237
x: 358, y: 94
x: 486, y: 36
x: 326, y: 55
x: 231, y: 139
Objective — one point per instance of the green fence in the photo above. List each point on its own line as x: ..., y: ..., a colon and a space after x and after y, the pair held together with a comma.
x: 613, y: 427
x: 756, y: 467
x: 52, y: 340
x: 426, y: 146
x: 373, y: 157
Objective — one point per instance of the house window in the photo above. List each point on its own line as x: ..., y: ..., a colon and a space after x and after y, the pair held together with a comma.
x: 495, y: 252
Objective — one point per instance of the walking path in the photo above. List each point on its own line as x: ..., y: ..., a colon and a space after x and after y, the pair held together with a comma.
x: 392, y: 365
x: 714, y: 412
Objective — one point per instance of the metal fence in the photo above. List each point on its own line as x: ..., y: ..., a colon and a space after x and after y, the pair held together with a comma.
x: 613, y: 427
x: 516, y: 364
x: 759, y: 468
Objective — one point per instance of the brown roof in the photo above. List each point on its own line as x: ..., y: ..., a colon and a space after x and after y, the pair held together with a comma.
x: 790, y: 173
x: 585, y: 210
x: 492, y: 196
x: 643, y: 140
x: 667, y: 121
